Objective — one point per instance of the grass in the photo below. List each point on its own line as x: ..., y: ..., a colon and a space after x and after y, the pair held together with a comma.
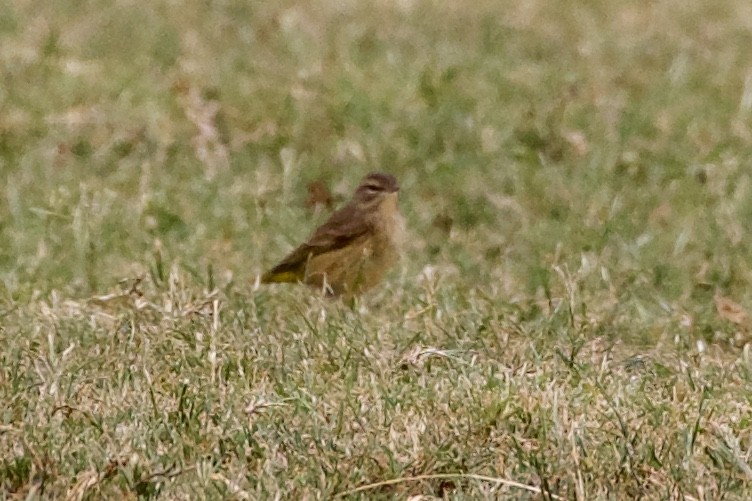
x: 570, y: 316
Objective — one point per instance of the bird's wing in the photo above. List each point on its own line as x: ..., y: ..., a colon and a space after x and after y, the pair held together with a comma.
x: 340, y: 229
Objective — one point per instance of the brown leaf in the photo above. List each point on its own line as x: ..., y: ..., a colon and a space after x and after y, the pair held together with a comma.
x: 443, y: 222
x: 318, y: 196
x: 731, y: 311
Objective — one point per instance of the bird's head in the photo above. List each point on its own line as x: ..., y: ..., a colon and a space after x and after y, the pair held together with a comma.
x: 375, y: 188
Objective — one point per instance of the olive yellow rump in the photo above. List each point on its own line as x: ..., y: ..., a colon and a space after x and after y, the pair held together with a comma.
x: 352, y: 251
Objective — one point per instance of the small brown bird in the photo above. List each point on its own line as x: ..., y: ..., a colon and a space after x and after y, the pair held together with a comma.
x: 352, y: 251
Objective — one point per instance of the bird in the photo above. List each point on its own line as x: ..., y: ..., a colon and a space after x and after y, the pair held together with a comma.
x: 352, y: 251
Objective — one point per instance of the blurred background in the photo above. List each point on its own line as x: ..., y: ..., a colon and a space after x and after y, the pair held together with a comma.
x: 610, y: 142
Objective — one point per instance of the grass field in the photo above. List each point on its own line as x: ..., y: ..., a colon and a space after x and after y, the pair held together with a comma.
x: 570, y: 316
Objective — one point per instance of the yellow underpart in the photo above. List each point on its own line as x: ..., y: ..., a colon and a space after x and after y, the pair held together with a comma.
x: 283, y: 277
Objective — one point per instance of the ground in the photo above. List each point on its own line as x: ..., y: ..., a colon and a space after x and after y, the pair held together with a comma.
x: 569, y: 319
